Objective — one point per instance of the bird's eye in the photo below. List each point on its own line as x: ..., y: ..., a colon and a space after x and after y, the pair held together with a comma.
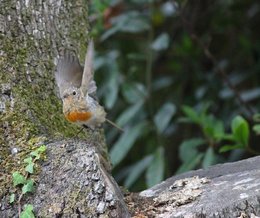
x: 74, y: 93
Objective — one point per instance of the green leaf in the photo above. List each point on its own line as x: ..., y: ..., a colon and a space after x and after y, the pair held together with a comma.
x: 112, y: 86
x: 256, y: 117
x: 35, y: 154
x: 161, y: 42
x: 162, y: 82
x: 129, y: 114
x: 42, y: 148
x: 219, y: 130
x: 132, y: 22
x: 99, y: 6
x: 229, y: 137
x: 134, y: 92
x: 209, y: 131
x: 190, y: 164
x: 99, y: 62
x: 28, y: 187
x: 226, y: 148
x: 256, y: 128
x: 240, y: 130
x: 187, y: 43
x: 30, y: 164
x: 28, y: 160
x: 209, y: 158
x: 125, y: 143
x: 191, y: 114
x: 188, y: 149
x: 163, y: 116
x: 109, y: 33
x: 137, y: 169
x: 155, y: 171
x: 29, y: 167
x: 18, y: 179
x: 12, y: 198
x: 250, y: 95
x: 212, y: 127
x: 183, y: 120
x: 27, y: 212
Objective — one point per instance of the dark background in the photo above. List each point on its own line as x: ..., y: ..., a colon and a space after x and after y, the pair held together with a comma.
x: 176, y: 75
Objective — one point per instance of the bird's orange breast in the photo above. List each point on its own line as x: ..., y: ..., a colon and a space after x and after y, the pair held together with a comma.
x: 75, y: 116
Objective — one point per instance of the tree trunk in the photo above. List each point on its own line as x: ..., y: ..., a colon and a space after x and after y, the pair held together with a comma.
x: 72, y: 181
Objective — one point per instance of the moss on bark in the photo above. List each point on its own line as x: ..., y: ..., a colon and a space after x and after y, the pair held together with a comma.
x: 32, y: 36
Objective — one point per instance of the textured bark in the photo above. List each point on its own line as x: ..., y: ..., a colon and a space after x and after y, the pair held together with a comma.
x: 224, y: 190
x: 73, y: 180
x: 72, y: 183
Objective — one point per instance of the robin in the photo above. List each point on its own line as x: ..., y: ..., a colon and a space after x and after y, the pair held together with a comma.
x: 77, y: 87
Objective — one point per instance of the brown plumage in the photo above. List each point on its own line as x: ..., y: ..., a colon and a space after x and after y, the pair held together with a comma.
x: 75, y: 85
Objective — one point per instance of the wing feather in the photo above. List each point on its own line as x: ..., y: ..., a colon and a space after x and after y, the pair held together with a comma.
x: 88, y: 84
x: 69, y: 72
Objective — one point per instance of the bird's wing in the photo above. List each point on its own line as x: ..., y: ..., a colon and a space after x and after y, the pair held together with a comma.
x: 88, y: 84
x: 69, y: 72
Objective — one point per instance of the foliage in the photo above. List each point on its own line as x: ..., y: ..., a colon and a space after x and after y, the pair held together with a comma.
x: 154, y: 59
x: 25, y: 183
x: 256, y: 127
x: 27, y: 212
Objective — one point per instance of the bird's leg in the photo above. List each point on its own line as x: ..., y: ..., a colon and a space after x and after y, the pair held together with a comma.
x: 81, y: 129
x: 91, y: 131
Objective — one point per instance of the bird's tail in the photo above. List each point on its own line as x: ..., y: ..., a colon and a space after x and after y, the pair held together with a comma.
x: 114, y: 125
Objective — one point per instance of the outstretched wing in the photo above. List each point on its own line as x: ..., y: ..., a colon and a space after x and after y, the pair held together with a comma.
x: 88, y: 84
x: 69, y: 73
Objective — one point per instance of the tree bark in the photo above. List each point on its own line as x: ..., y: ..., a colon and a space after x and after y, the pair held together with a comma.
x: 73, y: 180
x: 224, y: 190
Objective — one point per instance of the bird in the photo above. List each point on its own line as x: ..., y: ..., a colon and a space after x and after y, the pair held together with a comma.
x: 77, y: 89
